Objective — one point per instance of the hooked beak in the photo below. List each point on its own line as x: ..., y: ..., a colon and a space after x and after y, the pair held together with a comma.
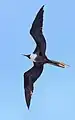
x: 26, y: 55
x: 23, y: 54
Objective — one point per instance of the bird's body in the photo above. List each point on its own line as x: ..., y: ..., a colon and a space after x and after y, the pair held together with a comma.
x: 33, y: 57
x: 38, y: 57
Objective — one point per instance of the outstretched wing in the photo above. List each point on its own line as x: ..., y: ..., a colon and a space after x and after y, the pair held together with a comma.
x: 29, y: 78
x: 28, y: 95
x: 36, y: 32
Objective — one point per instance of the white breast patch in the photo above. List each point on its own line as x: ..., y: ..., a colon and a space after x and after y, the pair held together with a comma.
x: 32, y: 57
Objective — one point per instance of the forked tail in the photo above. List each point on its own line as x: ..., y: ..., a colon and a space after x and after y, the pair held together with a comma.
x: 56, y: 63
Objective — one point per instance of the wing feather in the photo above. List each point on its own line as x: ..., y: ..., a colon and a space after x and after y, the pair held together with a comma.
x: 29, y: 78
x: 36, y: 32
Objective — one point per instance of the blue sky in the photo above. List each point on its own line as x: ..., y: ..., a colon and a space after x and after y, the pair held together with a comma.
x: 54, y: 93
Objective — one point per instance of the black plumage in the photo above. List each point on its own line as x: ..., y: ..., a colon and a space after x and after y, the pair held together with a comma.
x: 33, y: 74
x: 36, y: 33
x: 29, y: 78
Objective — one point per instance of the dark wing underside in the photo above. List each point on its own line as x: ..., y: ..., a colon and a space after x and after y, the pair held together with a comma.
x: 36, y: 32
x: 29, y: 78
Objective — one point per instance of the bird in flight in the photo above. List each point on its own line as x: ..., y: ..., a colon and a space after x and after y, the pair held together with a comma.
x: 38, y: 57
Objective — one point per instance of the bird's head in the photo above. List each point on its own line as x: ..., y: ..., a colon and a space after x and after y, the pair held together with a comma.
x: 28, y: 56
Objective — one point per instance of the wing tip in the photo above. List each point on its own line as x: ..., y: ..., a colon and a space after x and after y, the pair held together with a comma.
x: 28, y: 95
x: 28, y: 105
x: 42, y: 7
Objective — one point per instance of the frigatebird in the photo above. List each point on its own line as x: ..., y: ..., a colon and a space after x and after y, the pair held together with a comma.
x: 38, y: 57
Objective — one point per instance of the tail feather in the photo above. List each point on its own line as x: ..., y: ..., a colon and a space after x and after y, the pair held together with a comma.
x: 58, y: 64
